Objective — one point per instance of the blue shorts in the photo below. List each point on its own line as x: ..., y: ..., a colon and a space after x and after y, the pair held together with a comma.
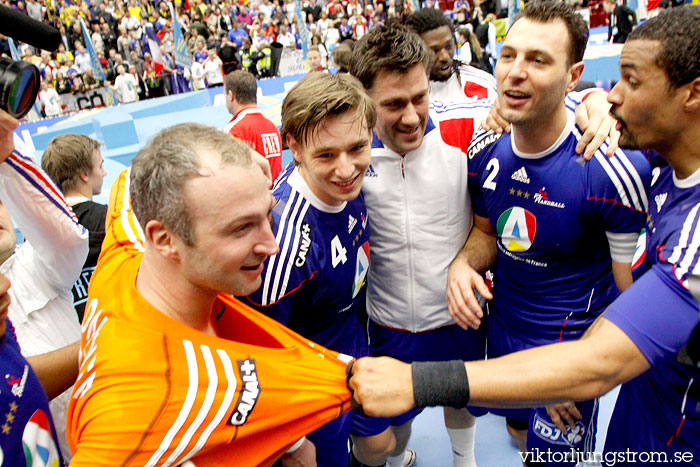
x: 542, y: 435
x: 502, y: 341
x: 331, y: 441
x: 441, y: 344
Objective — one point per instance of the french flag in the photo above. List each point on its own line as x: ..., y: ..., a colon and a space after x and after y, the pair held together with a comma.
x: 153, y: 45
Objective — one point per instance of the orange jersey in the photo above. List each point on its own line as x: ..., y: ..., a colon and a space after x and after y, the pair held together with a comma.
x: 155, y: 392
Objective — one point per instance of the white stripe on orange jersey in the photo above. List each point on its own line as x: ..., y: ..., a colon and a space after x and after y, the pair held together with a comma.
x: 186, y: 406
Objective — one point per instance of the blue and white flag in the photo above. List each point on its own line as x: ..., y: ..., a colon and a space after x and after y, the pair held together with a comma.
x: 513, y: 9
x: 181, y: 53
x: 415, y: 4
x: 301, y: 27
x: 97, y: 70
x: 13, y: 50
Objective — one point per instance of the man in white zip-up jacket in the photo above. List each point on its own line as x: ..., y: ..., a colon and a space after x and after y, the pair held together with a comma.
x: 419, y: 215
x: 43, y: 269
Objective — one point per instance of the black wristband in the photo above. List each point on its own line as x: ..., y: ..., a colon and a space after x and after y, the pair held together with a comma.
x: 440, y: 383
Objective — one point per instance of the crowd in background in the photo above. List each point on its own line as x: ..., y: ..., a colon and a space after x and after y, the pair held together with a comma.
x: 221, y: 35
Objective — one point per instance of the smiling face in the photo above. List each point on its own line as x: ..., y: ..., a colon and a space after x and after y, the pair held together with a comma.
x: 334, y: 158
x: 440, y: 42
x: 402, y: 107
x: 230, y: 210
x: 533, y: 72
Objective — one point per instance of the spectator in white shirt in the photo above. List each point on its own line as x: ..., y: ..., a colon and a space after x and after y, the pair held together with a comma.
x: 82, y: 60
x: 126, y: 85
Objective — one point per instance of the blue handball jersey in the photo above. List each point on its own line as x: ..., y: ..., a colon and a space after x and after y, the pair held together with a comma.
x: 554, y: 216
x: 315, y: 285
x: 27, y: 435
x: 659, y: 411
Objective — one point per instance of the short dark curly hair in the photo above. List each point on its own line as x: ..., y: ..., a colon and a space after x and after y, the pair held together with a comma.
x: 391, y: 47
x: 678, y: 31
x: 427, y: 19
x: 546, y: 11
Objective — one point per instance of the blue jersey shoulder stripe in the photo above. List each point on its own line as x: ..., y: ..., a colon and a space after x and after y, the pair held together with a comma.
x: 623, y: 175
x: 684, y: 256
x: 279, y: 265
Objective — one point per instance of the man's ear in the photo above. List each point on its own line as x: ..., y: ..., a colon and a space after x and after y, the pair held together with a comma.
x: 575, y: 73
x: 164, y: 241
x: 84, y: 176
x: 692, y: 102
x: 294, y: 147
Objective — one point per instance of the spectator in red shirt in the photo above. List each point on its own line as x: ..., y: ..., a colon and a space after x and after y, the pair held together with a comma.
x: 248, y: 123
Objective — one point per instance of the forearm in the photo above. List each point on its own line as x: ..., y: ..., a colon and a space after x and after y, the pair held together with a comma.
x: 57, y: 370
x: 479, y: 251
x: 622, y: 273
x: 577, y: 370
x: 44, y: 217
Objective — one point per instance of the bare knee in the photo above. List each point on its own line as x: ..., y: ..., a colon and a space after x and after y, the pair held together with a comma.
x: 517, y: 429
x: 374, y: 450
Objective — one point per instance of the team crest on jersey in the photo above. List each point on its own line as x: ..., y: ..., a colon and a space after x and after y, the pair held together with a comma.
x: 550, y: 433
x: 640, y: 250
x: 516, y: 229
x: 17, y: 383
x: 520, y: 175
x: 481, y: 142
x: 38, y: 443
x: 304, y: 245
x: 361, y: 266
x: 250, y: 391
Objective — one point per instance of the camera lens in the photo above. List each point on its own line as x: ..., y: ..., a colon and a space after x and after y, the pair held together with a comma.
x: 19, y: 86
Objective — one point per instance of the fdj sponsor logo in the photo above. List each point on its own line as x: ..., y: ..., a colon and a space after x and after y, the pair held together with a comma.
x: 516, y: 229
x: 250, y: 392
x: 305, y: 230
x: 550, y: 433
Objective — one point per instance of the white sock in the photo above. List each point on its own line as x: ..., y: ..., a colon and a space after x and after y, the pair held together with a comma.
x: 462, y: 440
x: 395, y: 461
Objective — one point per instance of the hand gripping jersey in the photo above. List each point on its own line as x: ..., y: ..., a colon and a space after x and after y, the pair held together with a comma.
x: 659, y: 411
x: 465, y: 83
x: 419, y: 215
x: 316, y: 283
x: 155, y: 392
x: 251, y: 126
x: 558, y: 221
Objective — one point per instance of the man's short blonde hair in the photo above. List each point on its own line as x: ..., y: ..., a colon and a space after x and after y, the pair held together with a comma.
x: 159, y: 172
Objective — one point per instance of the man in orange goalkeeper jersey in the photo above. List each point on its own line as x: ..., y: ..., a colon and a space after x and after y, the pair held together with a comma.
x: 173, y: 370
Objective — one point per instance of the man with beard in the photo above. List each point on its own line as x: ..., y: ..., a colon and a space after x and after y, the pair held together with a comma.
x: 450, y: 80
